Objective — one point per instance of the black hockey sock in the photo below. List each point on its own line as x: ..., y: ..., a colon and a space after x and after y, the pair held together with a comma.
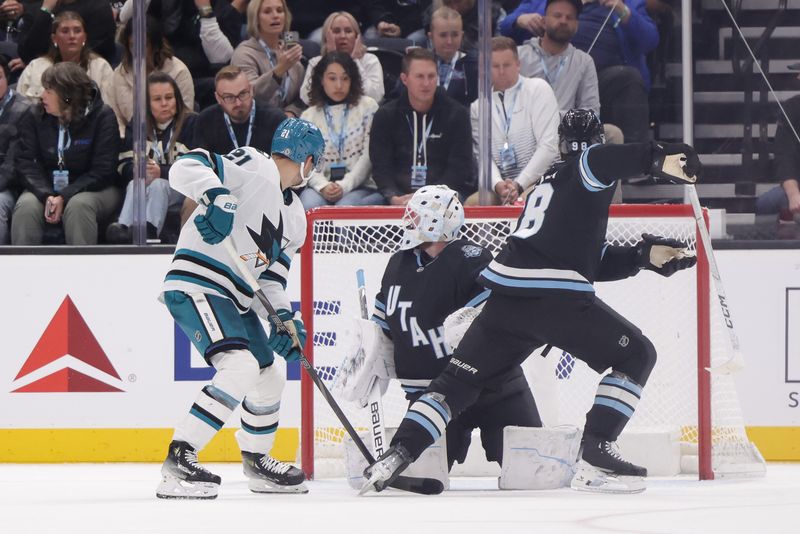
x: 614, y: 403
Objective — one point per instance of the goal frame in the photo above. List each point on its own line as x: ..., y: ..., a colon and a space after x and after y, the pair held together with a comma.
x: 704, y: 423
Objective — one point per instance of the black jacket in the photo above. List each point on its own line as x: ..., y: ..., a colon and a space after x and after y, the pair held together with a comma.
x: 449, y: 146
x: 35, y: 28
x: 211, y: 133
x: 183, y: 144
x: 10, y: 120
x: 91, y: 157
x: 408, y: 17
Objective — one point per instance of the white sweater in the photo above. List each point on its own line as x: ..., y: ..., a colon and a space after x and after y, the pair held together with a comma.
x: 371, y: 77
x: 355, y: 153
x: 30, y: 81
x: 533, y: 133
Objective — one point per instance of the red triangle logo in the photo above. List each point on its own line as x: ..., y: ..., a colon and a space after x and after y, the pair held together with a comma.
x: 66, y: 380
x: 67, y: 333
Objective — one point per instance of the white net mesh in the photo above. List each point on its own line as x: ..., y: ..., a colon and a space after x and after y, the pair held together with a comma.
x: 664, y: 308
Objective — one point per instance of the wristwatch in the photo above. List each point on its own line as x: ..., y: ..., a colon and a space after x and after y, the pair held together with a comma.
x: 206, y: 12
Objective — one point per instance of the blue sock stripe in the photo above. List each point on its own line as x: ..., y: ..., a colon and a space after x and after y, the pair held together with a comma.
x: 259, y: 430
x: 424, y: 423
x: 221, y: 397
x: 628, y: 385
x: 621, y: 407
x: 206, y: 417
x: 436, y: 406
x: 261, y: 410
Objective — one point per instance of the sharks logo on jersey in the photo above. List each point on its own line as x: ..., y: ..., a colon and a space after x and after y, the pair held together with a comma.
x: 270, y: 242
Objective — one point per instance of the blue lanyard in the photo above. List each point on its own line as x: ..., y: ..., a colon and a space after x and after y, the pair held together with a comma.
x: 160, y: 148
x: 6, y: 100
x: 249, y: 127
x: 507, y: 114
x: 62, y: 146
x: 552, y: 79
x: 338, y: 139
x: 452, y: 65
x: 284, y: 88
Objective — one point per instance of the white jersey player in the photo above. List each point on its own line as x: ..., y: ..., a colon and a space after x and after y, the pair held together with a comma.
x: 247, y: 195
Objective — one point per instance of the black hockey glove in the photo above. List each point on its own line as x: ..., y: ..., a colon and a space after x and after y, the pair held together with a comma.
x: 663, y: 255
x: 675, y: 162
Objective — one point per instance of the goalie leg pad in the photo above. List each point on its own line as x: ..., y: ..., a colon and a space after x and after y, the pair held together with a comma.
x: 432, y: 463
x: 539, y: 458
x: 368, y: 357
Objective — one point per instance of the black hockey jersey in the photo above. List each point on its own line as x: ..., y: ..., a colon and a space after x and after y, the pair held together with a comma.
x: 559, y: 239
x: 415, y: 298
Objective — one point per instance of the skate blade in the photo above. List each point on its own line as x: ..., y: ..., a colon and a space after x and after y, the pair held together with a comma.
x: 258, y: 485
x: 174, y: 488
x: 370, y: 484
x: 590, y: 479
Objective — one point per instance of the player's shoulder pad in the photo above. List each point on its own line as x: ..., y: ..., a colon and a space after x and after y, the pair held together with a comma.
x: 209, y: 159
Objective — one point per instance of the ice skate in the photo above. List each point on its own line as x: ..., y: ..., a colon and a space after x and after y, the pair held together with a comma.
x: 182, y: 477
x: 601, y: 469
x: 386, y: 469
x: 267, y: 475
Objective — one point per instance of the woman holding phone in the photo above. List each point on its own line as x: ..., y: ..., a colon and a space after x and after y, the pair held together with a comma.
x: 344, y: 116
x: 271, y: 57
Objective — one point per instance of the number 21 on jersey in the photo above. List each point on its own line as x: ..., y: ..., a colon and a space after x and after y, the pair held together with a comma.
x: 533, y: 217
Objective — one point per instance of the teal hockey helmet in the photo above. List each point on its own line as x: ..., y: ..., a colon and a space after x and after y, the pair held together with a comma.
x: 297, y: 139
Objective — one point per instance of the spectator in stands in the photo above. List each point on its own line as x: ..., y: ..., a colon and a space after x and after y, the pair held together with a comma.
x: 785, y: 198
x: 618, y: 44
x: 309, y: 15
x: 36, y: 27
x: 422, y: 137
x: 468, y: 9
x: 342, y: 35
x: 273, y: 67
x: 158, y: 56
x: 13, y: 107
x: 10, y: 14
x: 344, y: 116
x: 170, y: 125
x: 525, y: 122
x: 69, y: 146
x: 458, y: 72
x: 390, y: 18
x: 569, y: 71
x: 195, y: 41
x: 235, y: 120
x: 68, y: 44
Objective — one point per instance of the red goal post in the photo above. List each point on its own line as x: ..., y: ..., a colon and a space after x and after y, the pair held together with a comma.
x: 341, y: 239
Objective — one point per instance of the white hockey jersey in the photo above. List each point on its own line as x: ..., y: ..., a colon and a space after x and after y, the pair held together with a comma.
x: 269, y: 227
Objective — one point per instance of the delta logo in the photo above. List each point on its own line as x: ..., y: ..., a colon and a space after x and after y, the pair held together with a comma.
x: 67, y: 358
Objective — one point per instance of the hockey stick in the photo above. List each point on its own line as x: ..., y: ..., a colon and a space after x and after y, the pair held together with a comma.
x: 736, y: 361
x: 374, y: 398
x: 426, y: 486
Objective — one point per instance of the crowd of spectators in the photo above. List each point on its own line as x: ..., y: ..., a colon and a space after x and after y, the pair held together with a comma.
x: 223, y: 74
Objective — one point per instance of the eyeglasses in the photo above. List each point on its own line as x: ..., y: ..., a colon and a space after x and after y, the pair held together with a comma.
x: 241, y: 97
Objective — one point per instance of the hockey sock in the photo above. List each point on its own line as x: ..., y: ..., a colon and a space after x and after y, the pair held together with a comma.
x: 260, y: 412
x: 424, y: 423
x: 616, y: 400
x: 237, y: 371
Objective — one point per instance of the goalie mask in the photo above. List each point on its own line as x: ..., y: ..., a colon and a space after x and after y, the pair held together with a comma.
x: 579, y: 129
x: 297, y: 139
x: 433, y: 214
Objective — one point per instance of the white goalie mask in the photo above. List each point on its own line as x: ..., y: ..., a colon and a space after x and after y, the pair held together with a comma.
x: 433, y: 214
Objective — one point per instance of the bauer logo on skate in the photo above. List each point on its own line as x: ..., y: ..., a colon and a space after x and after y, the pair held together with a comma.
x: 67, y: 358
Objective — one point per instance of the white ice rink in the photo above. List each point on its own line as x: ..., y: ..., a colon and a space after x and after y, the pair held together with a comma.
x: 120, y: 498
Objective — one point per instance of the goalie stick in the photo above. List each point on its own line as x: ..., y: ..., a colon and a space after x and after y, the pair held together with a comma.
x: 374, y: 402
x: 425, y: 486
x: 736, y: 361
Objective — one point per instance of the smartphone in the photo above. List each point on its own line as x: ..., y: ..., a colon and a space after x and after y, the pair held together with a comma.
x: 290, y: 39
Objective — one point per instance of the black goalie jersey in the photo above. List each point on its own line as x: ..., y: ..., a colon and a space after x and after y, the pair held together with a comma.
x: 417, y: 294
x: 559, y: 241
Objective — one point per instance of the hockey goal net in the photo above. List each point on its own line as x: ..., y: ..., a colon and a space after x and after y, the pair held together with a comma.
x: 698, y: 409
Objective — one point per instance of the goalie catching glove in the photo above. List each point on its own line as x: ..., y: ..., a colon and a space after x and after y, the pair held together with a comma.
x: 282, y: 342
x: 217, y: 222
x: 663, y: 255
x: 675, y: 162
x: 368, y: 359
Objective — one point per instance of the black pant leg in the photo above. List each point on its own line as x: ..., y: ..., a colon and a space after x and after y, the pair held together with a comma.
x: 624, y: 102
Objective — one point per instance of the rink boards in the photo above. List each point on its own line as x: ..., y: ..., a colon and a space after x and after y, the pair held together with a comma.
x: 94, y: 368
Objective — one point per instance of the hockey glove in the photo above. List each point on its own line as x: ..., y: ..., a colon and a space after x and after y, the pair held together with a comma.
x: 663, y: 255
x: 675, y: 162
x: 217, y: 222
x: 283, y: 342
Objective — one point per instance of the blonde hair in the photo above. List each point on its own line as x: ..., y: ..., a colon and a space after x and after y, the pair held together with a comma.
x: 252, y: 17
x: 327, y: 26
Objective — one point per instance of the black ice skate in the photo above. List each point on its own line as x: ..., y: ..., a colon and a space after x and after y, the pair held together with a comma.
x: 267, y: 475
x: 182, y: 477
x: 386, y: 469
x: 601, y: 469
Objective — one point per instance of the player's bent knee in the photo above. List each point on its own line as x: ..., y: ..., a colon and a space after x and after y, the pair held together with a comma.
x: 268, y: 388
x: 641, y: 363
x: 237, y: 372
